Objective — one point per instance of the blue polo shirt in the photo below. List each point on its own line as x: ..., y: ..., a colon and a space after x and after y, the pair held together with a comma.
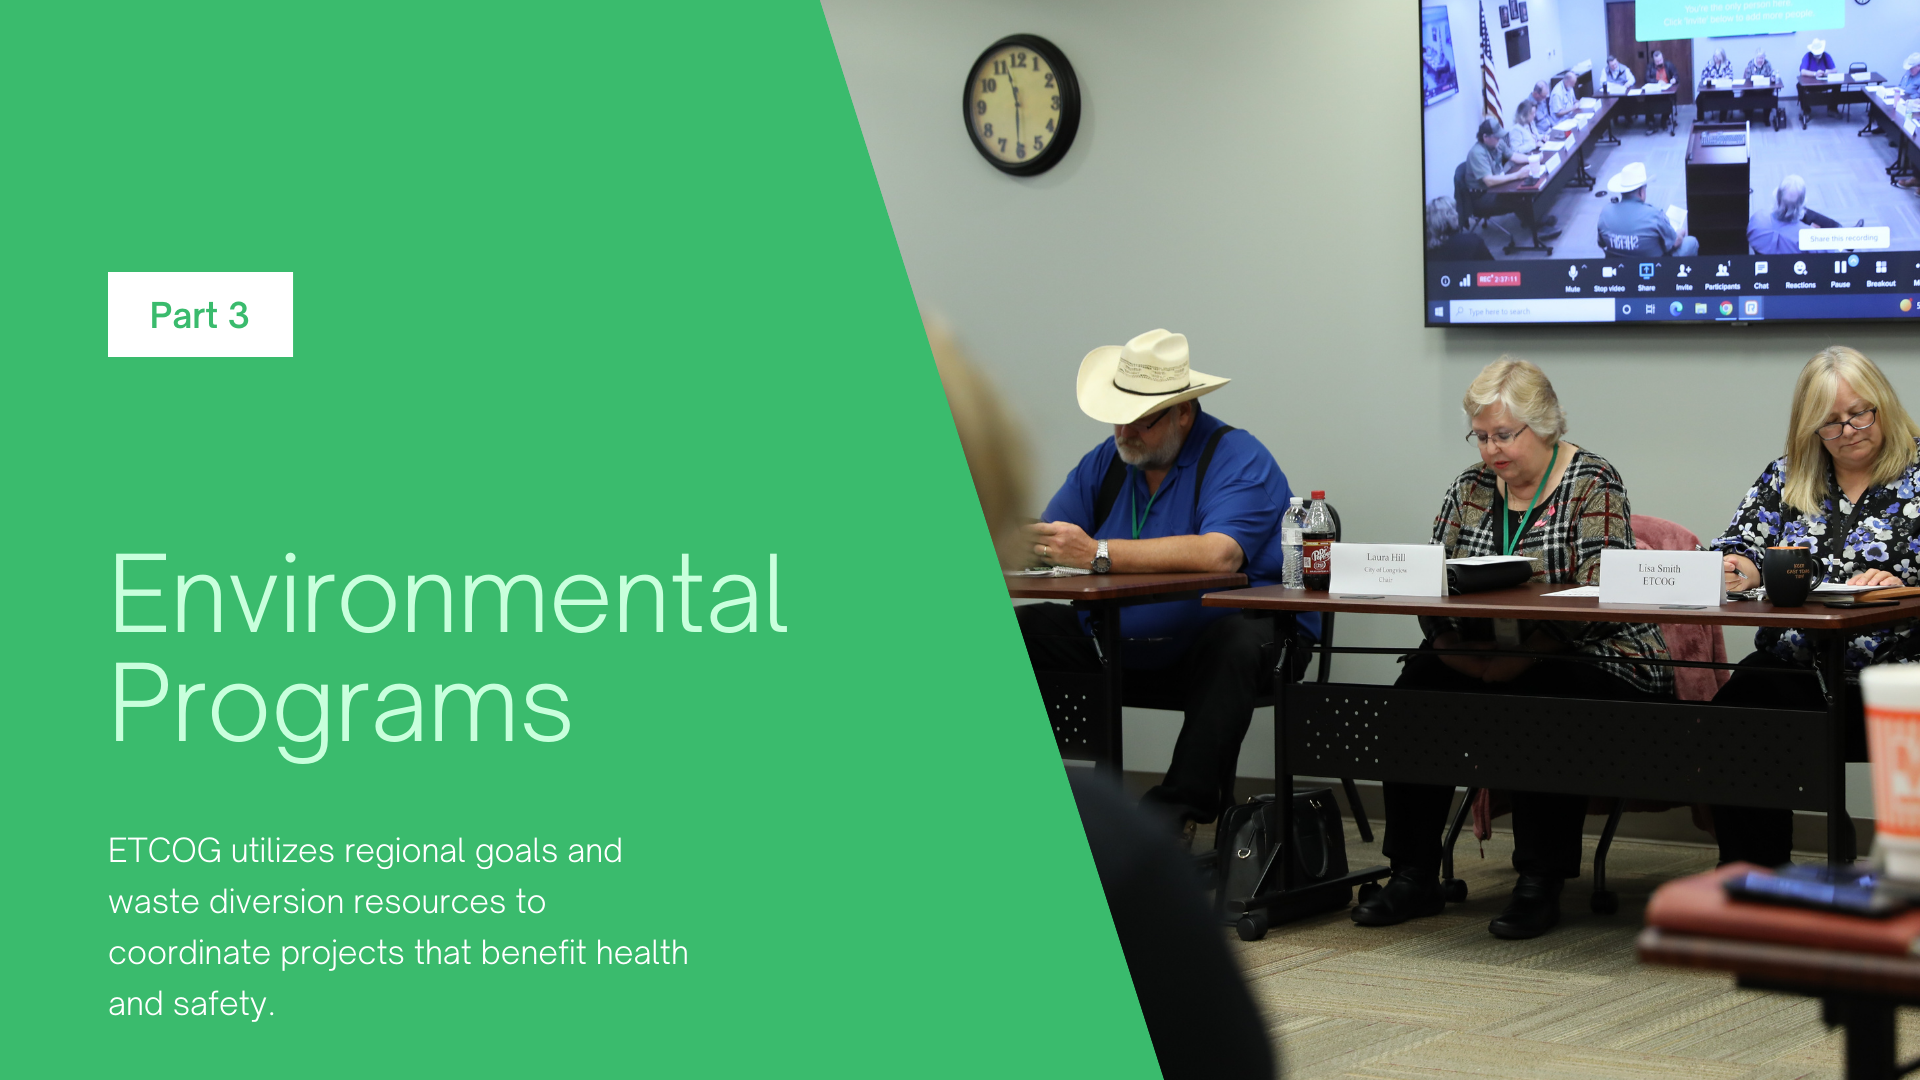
x: 1244, y: 495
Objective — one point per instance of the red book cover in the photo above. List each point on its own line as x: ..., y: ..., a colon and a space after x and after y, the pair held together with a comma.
x: 1700, y: 905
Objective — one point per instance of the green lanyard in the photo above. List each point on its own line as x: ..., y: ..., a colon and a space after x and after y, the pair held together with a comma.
x: 1140, y: 519
x: 1507, y: 545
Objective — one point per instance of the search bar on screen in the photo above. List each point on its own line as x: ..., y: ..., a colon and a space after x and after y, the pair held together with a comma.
x: 1568, y: 309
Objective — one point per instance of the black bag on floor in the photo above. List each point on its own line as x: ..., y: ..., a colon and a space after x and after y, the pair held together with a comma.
x: 1248, y: 832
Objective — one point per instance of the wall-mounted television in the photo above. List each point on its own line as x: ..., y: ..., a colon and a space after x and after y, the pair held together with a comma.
x: 1669, y: 161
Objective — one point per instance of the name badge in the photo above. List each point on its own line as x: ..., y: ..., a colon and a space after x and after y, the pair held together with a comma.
x: 1389, y: 570
x: 1666, y: 578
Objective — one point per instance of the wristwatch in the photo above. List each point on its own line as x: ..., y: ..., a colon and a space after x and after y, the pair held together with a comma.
x: 1101, y: 564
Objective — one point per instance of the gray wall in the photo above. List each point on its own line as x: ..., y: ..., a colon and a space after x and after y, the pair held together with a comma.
x: 1224, y: 187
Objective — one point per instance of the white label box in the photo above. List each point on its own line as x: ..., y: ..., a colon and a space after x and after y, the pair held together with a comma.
x: 1664, y: 578
x: 1389, y: 569
x: 200, y: 313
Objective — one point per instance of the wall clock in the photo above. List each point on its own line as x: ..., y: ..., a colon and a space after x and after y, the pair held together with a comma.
x: 1022, y: 105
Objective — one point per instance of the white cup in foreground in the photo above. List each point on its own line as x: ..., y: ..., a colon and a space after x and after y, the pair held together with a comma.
x: 1892, y: 693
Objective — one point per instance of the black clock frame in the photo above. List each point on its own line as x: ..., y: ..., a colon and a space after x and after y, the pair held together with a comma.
x: 1067, y: 128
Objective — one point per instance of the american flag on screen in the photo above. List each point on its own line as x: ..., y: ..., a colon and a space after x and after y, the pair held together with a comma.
x: 1489, y: 82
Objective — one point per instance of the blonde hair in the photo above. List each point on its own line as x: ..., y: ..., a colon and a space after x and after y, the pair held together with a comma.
x: 1523, y: 388
x: 1813, y: 398
x: 996, y: 454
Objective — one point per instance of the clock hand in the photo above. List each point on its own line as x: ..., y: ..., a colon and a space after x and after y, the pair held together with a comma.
x: 1016, y: 108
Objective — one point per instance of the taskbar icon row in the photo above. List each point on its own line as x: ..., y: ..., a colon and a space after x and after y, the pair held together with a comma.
x: 1614, y: 275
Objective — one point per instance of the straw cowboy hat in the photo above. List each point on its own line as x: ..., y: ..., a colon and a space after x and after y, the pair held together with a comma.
x: 1632, y: 178
x: 1818, y: 46
x: 1119, y: 384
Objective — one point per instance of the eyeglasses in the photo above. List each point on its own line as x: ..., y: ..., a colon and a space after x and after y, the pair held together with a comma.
x: 1144, y: 424
x: 1499, y: 438
x: 1830, y: 432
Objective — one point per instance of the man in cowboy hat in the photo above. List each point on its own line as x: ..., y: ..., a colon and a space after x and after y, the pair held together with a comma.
x: 1174, y: 489
x: 1631, y: 227
x: 1909, y: 83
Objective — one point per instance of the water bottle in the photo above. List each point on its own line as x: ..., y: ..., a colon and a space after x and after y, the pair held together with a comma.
x: 1316, y: 544
x: 1293, y: 522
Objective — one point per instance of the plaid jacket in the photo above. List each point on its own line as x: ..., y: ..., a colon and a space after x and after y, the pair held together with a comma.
x: 1586, y: 514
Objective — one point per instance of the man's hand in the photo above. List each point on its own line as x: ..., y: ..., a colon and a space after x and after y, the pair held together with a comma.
x: 1062, y: 543
x: 1875, y: 577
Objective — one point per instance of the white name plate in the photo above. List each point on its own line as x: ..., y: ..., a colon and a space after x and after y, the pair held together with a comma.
x: 1665, y: 578
x: 1389, y: 570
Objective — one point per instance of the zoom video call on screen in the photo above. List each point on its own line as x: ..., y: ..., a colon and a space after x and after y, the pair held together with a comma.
x: 1671, y: 160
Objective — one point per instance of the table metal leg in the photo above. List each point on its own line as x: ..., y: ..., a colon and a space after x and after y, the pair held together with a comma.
x: 1106, y: 629
x: 1830, y: 655
x: 1870, y: 1035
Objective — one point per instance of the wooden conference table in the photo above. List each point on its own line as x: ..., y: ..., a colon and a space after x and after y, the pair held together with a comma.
x: 1084, y: 708
x: 1572, y: 171
x: 1859, y: 990
x: 1689, y: 752
x: 1906, y: 161
x: 1638, y: 101
x: 1743, y: 95
x: 1815, y: 92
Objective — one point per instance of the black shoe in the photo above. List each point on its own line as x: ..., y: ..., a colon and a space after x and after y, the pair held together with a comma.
x: 1408, y: 895
x: 1534, y: 909
x: 1549, y: 220
x: 1547, y: 234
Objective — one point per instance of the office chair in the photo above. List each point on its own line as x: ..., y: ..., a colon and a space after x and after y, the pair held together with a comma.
x: 1858, y: 67
x: 1685, y: 643
x: 1464, y: 190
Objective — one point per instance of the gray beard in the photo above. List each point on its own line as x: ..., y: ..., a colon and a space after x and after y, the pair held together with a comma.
x: 1134, y: 452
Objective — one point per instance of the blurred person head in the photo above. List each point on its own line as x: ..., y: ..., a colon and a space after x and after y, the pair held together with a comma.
x: 1491, y: 132
x: 995, y: 452
x: 1912, y: 64
x: 1443, y: 221
x: 1844, y: 412
x: 1524, y: 114
x: 1790, y: 199
x: 1719, y: 56
x: 1540, y: 90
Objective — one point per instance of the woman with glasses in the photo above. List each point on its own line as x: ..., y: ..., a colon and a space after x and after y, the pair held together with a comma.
x: 1537, y: 495
x: 1845, y: 489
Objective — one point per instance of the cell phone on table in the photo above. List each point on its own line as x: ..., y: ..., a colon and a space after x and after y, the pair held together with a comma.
x: 1821, y: 887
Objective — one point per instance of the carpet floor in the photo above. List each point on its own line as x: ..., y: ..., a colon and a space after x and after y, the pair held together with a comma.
x: 1441, y: 997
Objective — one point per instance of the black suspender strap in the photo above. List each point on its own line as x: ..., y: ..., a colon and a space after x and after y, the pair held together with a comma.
x: 1110, y: 486
x: 1200, y: 474
x: 1116, y: 479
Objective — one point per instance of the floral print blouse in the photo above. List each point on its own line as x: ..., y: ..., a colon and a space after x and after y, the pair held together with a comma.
x: 1880, y: 532
x: 1581, y: 517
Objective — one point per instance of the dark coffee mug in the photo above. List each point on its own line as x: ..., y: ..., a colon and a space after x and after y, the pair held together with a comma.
x: 1789, y: 575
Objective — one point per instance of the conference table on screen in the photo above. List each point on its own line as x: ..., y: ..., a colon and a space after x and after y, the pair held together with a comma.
x: 1572, y: 171
x: 1742, y: 95
x: 1816, y: 91
x: 1666, y: 751
x: 1906, y: 161
x: 1635, y: 102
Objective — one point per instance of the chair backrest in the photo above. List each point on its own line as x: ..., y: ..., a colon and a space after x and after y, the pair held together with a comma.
x: 1857, y: 67
x: 1684, y: 642
x: 1460, y: 193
